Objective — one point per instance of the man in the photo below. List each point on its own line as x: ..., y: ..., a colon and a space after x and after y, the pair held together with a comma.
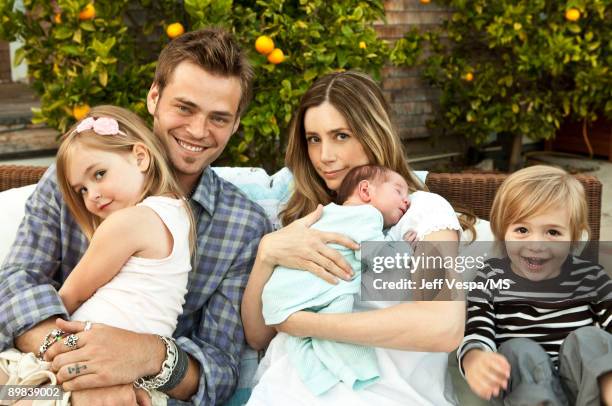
x: 202, y: 85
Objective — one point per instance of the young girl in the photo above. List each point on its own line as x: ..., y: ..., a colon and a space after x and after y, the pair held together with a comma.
x: 546, y: 339
x: 118, y: 185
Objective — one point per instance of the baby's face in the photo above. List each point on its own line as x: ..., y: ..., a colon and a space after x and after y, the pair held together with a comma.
x: 538, y: 245
x: 391, y: 198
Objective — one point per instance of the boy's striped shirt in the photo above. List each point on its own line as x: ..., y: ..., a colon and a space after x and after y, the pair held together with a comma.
x: 545, y: 311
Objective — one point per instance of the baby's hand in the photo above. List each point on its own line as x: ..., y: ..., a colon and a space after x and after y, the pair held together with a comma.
x: 410, y: 236
x: 486, y: 372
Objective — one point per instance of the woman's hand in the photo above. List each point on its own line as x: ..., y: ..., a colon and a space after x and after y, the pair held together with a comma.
x: 487, y: 373
x: 298, y: 246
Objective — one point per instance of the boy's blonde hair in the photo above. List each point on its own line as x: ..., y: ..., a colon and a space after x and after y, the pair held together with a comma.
x: 159, y: 176
x: 534, y: 190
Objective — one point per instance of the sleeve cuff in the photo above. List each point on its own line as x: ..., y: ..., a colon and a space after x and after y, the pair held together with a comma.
x: 464, y: 348
x: 26, y: 308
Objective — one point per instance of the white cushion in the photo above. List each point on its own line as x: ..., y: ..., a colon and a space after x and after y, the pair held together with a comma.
x: 12, y: 206
x: 270, y: 192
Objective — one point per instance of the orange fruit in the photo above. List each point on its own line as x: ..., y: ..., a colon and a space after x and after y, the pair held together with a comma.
x: 175, y: 30
x: 264, y: 44
x: 79, y: 112
x: 362, y: 45
x: 57, y: 18
x: 469, y: 76
x: 276, y: 56
x: 572, y: 14
x: 88, y: 12
x: 425, y: 1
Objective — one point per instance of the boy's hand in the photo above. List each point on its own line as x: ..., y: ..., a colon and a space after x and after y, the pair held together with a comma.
x: 486, y: 372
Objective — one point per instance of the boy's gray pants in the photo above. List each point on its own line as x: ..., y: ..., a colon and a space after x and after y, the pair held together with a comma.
x: 585, y: 355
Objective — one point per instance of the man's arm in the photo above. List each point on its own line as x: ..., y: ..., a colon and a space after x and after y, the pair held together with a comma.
x: 26, y: 276
x: 214, y: 343
x: 217, y: 342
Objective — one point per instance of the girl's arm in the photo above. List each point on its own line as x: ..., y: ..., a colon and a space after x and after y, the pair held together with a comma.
x: 123, y: 234
x: 296, y: 246
x: 415, y: 326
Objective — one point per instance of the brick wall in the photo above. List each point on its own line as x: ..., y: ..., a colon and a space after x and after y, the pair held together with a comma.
x: 412, y: 101
x: 5, y: 62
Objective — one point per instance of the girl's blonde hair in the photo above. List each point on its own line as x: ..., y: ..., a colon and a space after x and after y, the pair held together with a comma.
x: 159, y: 176
x: 361, y: 102
x: 537, y: 189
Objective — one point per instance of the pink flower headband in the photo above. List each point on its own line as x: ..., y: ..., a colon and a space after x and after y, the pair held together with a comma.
x: 101, y: 126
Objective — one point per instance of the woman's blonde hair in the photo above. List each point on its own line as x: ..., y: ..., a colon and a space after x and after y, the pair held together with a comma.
x: 537, y: 189
x: 159, y: 176
x: 361, y: 102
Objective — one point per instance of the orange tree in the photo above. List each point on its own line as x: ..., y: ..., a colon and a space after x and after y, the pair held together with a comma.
x: 81, y: 53
x: 515, y: 68
x: 78, y: 54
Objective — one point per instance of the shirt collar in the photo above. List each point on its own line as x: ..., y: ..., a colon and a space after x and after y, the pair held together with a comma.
x: 206, y: 191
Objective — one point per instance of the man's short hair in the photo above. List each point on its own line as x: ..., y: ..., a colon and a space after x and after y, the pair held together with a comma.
x: 214, y: 50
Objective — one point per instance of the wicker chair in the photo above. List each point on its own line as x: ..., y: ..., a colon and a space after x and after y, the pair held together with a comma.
x: 474, y: 191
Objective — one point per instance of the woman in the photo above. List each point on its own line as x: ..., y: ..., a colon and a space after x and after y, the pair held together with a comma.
x: 343, y: 122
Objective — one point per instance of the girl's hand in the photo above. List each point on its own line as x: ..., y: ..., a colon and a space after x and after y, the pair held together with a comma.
x: 298, y: 246
x: 487, y: 373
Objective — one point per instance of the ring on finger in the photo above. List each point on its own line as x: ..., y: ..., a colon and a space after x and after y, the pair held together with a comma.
x: 87, y: 326
x: 71, y: 341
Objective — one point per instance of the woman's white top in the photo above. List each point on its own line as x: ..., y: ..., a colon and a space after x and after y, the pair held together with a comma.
x: 406, y: 377
x: 147, y: 295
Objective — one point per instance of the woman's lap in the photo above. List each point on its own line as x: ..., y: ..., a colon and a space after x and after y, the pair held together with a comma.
x: 279, y: 383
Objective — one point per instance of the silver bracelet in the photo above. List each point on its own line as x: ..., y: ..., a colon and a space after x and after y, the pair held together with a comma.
x: 51, y: 338
x: 149, y: 383
x: 179, y: 372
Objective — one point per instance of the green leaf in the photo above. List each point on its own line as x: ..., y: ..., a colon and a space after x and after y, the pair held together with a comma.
x: 310, y: 74
x: 72, y: 50
x: 347, y: 31
x: 566, y: 106
x: 77, y: 36
x: 62, y: 32
x: 103, y: 77
x: 103, y: 48
x: 19, y: 56
x: 87, y: 26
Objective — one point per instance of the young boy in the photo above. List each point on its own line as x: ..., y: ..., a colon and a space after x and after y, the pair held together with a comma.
x: 370, y: 198
x: 546, y: 340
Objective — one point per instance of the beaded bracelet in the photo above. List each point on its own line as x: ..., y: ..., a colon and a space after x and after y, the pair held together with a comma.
x: 51, y: 338
x: 149, y: 383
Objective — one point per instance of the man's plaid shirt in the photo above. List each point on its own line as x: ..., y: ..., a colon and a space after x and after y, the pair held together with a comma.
x: 229, y: 226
